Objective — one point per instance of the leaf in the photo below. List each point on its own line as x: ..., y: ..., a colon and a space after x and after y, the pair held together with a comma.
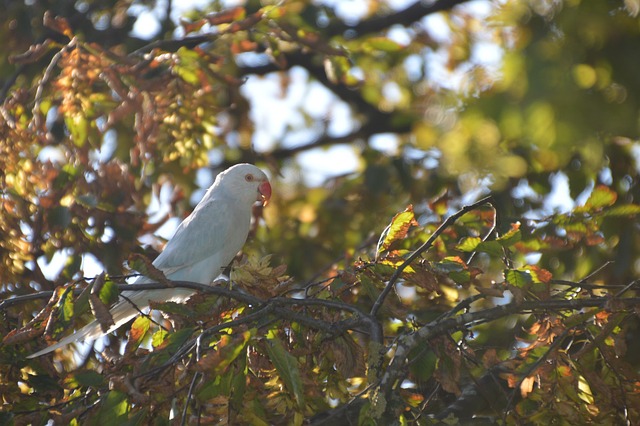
x: 109, y: 292
x: 188, y: 66
x: 174, y: 308
x: 138, y: 331
x: 513, y: 236
x: 114, y: 408
x: 88, y: 378
x: 450, y: 264
x: 538, y: 274
x: 57, y: 23
x: 287, y: 367
x: 383, y: 44
x: 397, y: 229
x: 226, y: 350
x: 227, y: 16
x: 623, y: 210
x: 78, y: 126
x: 493, y: 248
x: 601, y: 196
x: 158, y: 337
x: 172, y: 341
x: 517, y: 278
x: 143, y: 265
x: 469, y: 244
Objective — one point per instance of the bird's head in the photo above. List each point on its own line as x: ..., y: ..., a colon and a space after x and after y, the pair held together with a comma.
x: 248, y: 181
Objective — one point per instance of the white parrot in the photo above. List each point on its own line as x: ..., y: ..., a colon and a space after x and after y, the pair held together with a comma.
x: 202, y: 246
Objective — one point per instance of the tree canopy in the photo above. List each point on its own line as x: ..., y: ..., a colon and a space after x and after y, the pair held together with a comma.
x: 477, y: 264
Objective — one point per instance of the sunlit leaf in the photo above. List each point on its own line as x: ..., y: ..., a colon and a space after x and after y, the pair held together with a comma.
x: 383, y: 44
x: 600, y: 197
x: 539, y: 275
x: 138, y: 331
x: 513, y: 236
x: 623, y: 210
x: 397, y: 229
x: 518, y: 278
x: 78, y: 125
x: 469, y: 244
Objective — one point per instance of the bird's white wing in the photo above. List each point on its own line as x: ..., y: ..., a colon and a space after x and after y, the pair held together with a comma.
x: 213, y: 233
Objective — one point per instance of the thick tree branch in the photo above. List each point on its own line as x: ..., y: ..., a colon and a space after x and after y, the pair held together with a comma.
x: 405, y: 17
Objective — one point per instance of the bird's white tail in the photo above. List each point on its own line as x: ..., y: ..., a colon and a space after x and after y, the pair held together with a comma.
x: 121, y: 312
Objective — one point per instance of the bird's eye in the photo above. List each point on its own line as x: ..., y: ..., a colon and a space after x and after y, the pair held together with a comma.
x: 249, y: 178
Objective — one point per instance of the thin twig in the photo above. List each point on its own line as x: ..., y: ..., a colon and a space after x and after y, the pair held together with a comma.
x: 189, y: 395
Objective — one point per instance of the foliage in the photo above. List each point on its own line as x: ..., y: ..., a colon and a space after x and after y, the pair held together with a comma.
x: 516, y: 308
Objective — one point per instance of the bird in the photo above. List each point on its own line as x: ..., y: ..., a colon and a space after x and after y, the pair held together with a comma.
x: 203, y: 245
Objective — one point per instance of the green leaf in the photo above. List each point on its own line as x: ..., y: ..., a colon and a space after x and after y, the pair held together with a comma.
x: 469, y: 244
x: 113, y: 410
x: 188, y: 67
x: 493, y: 248
x: 78, y: 126
x: 383, y: 44
x: 624, y: 210
x: 84, y: 378
x: 175, y: 340
x: 513, y: 236
x: 449, y: 264
x: 518, y: 278
x: 66, y: 305
x: 174, y: 308
x: 287, y: 367
x: 158, y: 337
x: 109, y: 292
x: 601, y: 196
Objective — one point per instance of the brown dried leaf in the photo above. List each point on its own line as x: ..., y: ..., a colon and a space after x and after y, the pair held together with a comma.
x: 424, y: 278
x: 190, y: 27
x: 490, y: 358
x: 146, y: 268
x: 348, y: 355
x: 226, y: 16
x: 57, y: 23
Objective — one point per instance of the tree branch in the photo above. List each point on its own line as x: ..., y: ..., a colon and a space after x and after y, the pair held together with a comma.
x: 405, y: 17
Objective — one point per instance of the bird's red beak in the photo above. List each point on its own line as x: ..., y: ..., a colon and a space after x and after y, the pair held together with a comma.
x: 265, y: 192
